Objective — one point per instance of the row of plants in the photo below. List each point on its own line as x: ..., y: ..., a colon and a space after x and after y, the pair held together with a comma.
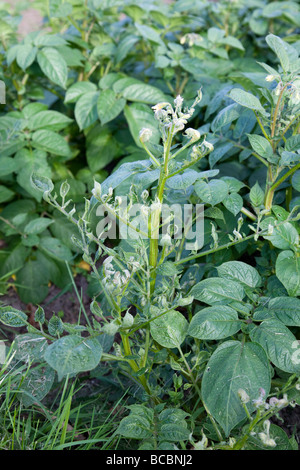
x: 154, y: 105
x: 78, y: 91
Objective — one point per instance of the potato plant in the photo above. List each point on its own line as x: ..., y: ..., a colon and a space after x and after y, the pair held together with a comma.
x: 81, y: 87
x: 193, y: 237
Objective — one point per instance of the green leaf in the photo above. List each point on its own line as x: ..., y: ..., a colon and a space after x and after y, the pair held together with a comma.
x: 261, y: 146
x: 170, y: 329
x: 8, y: 165
x: 225, y: 116
x: 45, y: 39
x: 247, y: 100
x: 56, y: 249
x: 5, y: 194
x: 233, y: 366
x: 37, y: 226
x: 33, y: 281
x: 256, y: 195
x: 184, y: 180
x: 55, y: 326
x: 29, y: 347
x: 241, y: 272
x: 42, y: 183
x: 36, y: 385
x: 109, y: 106
x: 149, y: 33
x: 86, y: 109
x: 279, y: 47
x: 278, y: 434
x: 53, y: 65
x: 101, y: 141
x: 123, y: 172
x: 174, y: 432
x: 78, y: 89
x: 125, y: 46
x: 213, y: 192
x: 52, y: 120
x: 216, y: 322
x: 284, y: 236
x: 73, y: 354
x: 39, y: 315
x: 26, y: 55
x: 296, y: 180
x: 139, y: 115
x: 288, y: 272
x: 32, y: 163
x: 217, y: 291
x: 279, y: 343
x: 234, y: 203
x: 14, y: 261
x: 286, y: 309
x: 51, y: 142
x: 12, y: 317
x: 134, y: 427
x: 143, y: 93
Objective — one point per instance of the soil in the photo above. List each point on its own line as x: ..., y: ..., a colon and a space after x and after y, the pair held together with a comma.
x: 65, y: 304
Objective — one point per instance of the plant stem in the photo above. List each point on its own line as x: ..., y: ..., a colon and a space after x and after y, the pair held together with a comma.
x: 155, y: 216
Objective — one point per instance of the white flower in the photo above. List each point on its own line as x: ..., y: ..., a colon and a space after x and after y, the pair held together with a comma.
x: 145, y: 134
x: 270, y: 78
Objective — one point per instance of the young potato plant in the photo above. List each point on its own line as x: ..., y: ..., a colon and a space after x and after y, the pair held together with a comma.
x: 202, y: 305
x: 77, y: 91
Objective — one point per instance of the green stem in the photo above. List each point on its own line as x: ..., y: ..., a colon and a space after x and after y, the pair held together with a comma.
x: 261, y: 126
x: 240, y: 444
x: 155, y: 216
x: 193, y: 380
x: 127, y: 350
x: 285, y: 176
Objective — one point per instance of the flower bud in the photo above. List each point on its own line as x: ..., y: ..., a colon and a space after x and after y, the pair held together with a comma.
x: 208, y: 145
x: 96, y: 191
x: 178, y: 101
x: 192, y: 134
x: 244, y: 397
x: 270, y: 78
x: 145, y: 134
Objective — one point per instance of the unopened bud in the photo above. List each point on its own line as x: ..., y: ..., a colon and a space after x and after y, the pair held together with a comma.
x: 96, y: 191
x: 192, y: 134
x: 244, y: 397
x: 208, y: 145
x: 145, y: 134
